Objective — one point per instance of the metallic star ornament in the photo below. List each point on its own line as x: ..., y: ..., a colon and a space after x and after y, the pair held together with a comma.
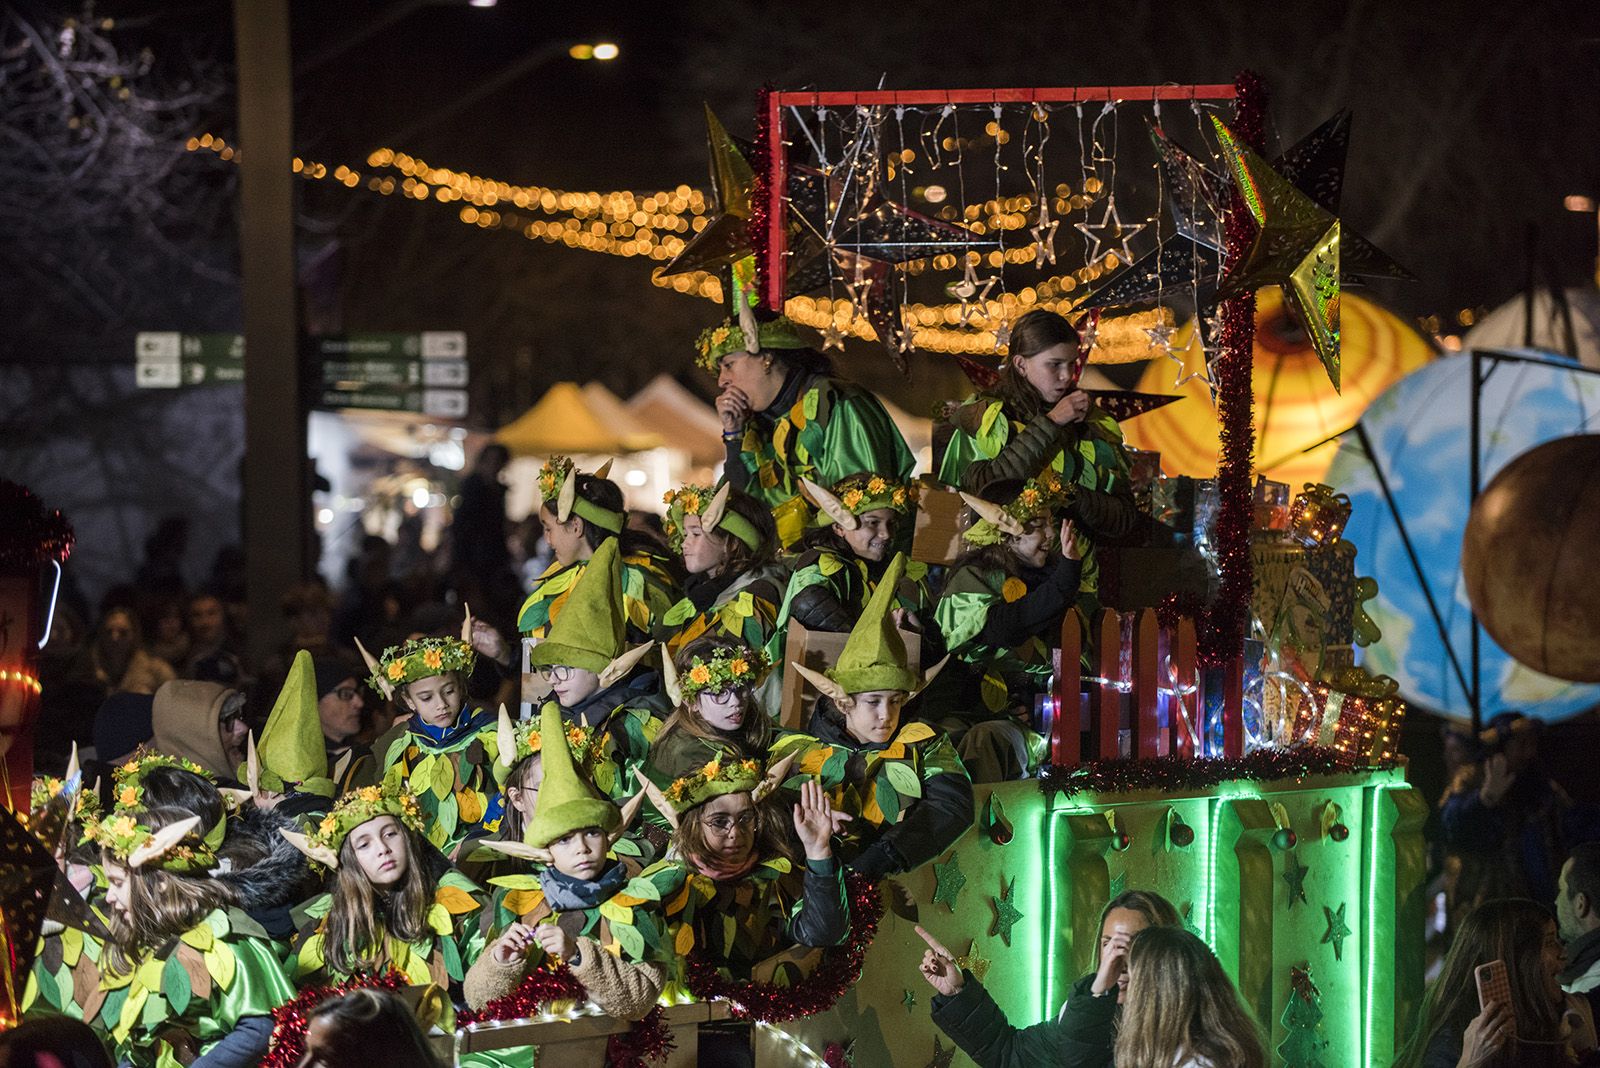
x: 1110, y: 230
x: 948, y: 881
x: 1006, y: 914
x: 1337, y: 931
x: 1296, y: 247
x: 1160, y: 336
x: 1196, y: 195
x: 832, y: 337
x: 848, y: 218
x: 726, y: 237
x: 1043, y: 233
x: 974, y: 962
x: 972, y: 290
x: 1294, y: 875
x: 941, y: 1057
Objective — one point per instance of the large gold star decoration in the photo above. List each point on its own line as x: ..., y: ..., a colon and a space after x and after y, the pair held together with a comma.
x: 726, y: 237
x: 1296, y: 247
x: 974, y: 962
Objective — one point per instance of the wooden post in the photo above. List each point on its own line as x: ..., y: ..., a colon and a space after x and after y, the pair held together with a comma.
x: 1065, y: 740
x: 1105, y: 700
x: 1187, y: 730
x: 1146, y: 685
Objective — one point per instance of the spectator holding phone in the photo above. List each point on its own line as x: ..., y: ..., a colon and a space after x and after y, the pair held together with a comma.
x: 1537, y: 1025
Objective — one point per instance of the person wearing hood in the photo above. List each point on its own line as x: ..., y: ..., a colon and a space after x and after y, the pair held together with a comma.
x: 560, y: 912
x: 445, y: 755
x: 903, y: 784
x: 203, y: 722
x: 579, y: 513
x: 596, y: 681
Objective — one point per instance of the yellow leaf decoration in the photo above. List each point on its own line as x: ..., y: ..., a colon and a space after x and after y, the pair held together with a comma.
x: 219, y: 962
x: 684, y: 942
x: 455, y: 900
x: 200, y: 937
x: 469, y: 805
x: 522, y: 902
x: 912, y: 733
x: 439, y: 920
x: 1014, y: 589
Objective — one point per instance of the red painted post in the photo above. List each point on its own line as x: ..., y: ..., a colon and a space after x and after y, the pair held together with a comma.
x: 1233, y: 709
x: 777, y: 186
x: 1065, y: 741
x: 1146, y: 685
x: 1105, y: 700
x: 1185, y: 709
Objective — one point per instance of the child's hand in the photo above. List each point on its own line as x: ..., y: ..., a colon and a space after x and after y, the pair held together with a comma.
x: 513, y: 945
x: 556, y: 942
x: 1069, y: 541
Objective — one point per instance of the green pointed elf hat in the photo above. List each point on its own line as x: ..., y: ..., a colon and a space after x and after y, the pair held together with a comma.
x: 566, y: 803
x: 874, y: 656
x: 590, y: 630
x: 291, y: 750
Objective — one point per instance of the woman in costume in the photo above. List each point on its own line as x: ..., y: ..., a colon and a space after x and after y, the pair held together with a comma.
x: 785, y: 417
x: 1037, y: 419
x: 904, y: 785
x: 393, y: 903
x: 728, y: 546
x: 584, y: 906
x: 445, y: 754
x: 843, y: 555
x: 579, y: 513
x: 185, y: 977
x: 596, y: 680
x: 1000, y: 614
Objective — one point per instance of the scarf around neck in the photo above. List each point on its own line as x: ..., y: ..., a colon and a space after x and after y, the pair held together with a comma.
x: 568, y: 893
x: 467, y: 724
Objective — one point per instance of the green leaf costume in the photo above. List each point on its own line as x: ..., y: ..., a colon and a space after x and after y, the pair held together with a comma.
x: 453, y: 938
x: 451, y: 776
x: 746, y: 611
x: 648, y: 590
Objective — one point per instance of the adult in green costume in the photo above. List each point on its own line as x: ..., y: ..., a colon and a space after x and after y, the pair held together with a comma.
x: 1000, y: 614
x: 786, y: 417
x: 903, y: 784
x: 579, y: 512
x: 1036, y: 418
x: 843, y: 556
x: 728, y: 545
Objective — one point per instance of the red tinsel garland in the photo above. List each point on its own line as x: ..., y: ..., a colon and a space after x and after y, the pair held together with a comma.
x: 648, y: 1039
x: 289, y: 1035
x: 817, y: 992
x: 1221, y: 629
x: 1124, y: 775
x: 30, y: 536
x: 761, y: 164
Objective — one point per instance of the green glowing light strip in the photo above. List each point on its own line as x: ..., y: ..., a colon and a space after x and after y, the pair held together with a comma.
x: 1373, y: 814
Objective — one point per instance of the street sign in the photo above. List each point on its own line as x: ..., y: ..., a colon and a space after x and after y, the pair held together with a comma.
x: 170, y: 360
x: 425, y: 373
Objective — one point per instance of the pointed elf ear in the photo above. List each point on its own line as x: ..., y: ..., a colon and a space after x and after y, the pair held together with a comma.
x: 604, y: 470
x: 505, y: 739
x: 748, y: 324
x: 774, y: 779
x: 156, y: 846
x: 657, y: 798
x: 993, y: 513
x: 630, y: 811
x: 520, y: 850
x: 669, y: 678
x: 252, y: 764
x: 376, y: 671
x: 72, y: 764
x: 466, y: 623
x: 568, y: 495
x: 824, y: 685
x: 933, y: 673
x: 712, y: 516
x: 619, y: 667
x: 831, y: 504
x: 319, y: 853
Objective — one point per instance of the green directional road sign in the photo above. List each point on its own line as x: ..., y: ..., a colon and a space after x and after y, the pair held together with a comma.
x: 170, y: 360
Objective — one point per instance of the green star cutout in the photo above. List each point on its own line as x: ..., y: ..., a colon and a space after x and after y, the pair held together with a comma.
x: 941, y: 1056
x: 1118, y: 885
x: 948, y: 881
x: 1337, y: 931
x: 909, y: 1000
x: 1006, y: 914
x: 1294, y: 873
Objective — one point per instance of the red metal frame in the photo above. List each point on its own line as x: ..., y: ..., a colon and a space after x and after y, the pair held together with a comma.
x: 773, y: 270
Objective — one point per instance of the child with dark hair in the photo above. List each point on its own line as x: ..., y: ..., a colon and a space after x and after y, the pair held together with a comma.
x: 365, y: 1026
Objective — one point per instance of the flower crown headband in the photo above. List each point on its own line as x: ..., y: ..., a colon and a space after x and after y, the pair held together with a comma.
x: 516, y: 742
x: 1041, y: 496
x: 855, y: 495
x: 174, y: 848
x: 714, y: 513
x: 724, y: 669
x: 352, y: 810
x: 558, y: 487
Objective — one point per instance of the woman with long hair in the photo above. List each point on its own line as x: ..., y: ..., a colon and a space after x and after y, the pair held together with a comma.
x: 211, y: 1006
x: 1181, y: 1009
x: 393, y: 903
x: 1000, y: 614
x: 728, y: 546
x: 785, y: 416
x: 578, y: 513
x: 1541, y: 1026
x: 1084, y: 1034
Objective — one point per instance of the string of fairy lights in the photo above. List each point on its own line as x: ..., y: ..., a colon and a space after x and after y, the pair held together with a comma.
x: 656, y: 225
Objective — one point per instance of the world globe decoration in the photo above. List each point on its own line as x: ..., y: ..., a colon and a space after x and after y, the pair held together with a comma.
x: 1528, y: 558
x: 1420, y: 432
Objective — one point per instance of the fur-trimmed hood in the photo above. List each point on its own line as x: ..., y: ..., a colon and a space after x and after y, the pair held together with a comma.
x: 264, y: 871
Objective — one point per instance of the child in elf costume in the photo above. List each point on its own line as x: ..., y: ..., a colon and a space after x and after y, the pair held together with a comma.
x: 596, y: 680
x: 393, y: 903
x: 585, y: 906
x: 580, y: 513
x: 185, y: 977
x: 903, y: 783
x: 843, y: 555
x: 1000, y: 614
x: 292, y: 756
x: 713, y: 689
x: 446, y: 753
x: 747, y: 906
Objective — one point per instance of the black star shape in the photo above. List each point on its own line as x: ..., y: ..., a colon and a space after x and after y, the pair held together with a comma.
x: 1294, y: 874
x: 941, y: 1056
